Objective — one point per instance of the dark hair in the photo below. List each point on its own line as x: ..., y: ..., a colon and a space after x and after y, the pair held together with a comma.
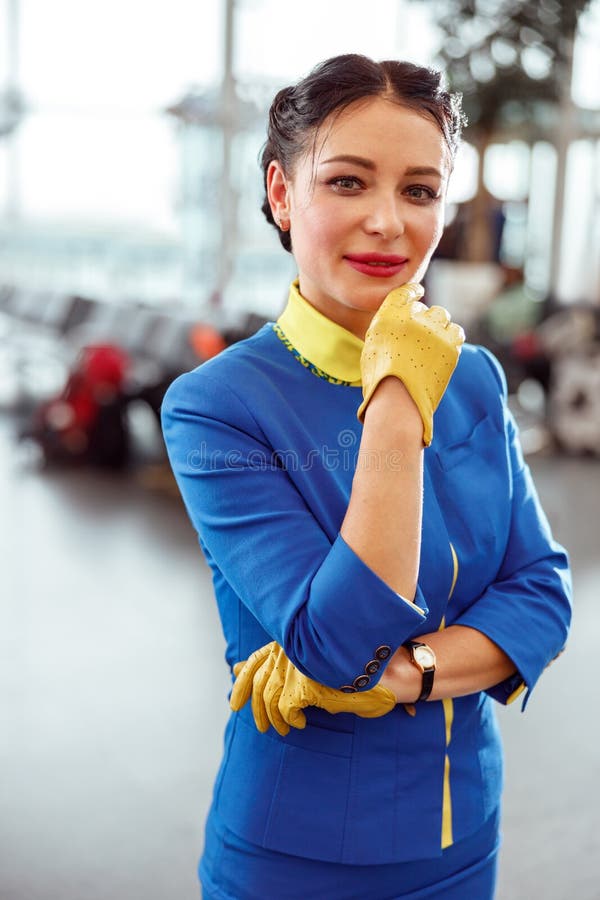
x: 298, y: 110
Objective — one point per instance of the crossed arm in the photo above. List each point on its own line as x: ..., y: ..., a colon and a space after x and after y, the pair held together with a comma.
x: 383, y: 527
x: 467, y: 662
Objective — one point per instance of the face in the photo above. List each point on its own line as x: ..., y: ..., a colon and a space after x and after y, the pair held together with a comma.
x: 366, y: 210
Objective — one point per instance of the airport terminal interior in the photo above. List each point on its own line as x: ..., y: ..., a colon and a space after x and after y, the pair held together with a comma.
x: 132, y: 249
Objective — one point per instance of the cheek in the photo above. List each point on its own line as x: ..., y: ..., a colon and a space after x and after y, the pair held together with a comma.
x: 431, y: 230
x: 439, y: 226
x: 316, y: 228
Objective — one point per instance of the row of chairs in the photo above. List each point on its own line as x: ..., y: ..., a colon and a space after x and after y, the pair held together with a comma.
x: 44, y: 331
x: 66, y: 323
x: 42, y: 335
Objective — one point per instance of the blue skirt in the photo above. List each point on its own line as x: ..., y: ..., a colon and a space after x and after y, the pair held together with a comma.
x: 233, y: 869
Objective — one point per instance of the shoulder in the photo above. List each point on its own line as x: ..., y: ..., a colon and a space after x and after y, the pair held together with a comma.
x: 478, y: 384
x: 218, y: 387
x: 479, y: 369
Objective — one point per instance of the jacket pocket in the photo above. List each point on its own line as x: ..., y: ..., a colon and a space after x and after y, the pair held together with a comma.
x: 278, y: 794
x: 308, y: 809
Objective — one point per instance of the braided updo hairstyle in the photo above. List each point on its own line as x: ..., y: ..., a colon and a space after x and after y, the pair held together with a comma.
x: 299, y: 110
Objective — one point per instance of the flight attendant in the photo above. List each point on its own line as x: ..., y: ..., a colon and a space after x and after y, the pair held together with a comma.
x: 383, y: 569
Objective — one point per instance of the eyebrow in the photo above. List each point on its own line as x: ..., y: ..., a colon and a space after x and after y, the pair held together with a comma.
x: 369, y: 164
x: 423, y: 170
x: 355, y: 160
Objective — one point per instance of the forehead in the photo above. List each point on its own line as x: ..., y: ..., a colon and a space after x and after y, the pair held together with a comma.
x: 385, y: 132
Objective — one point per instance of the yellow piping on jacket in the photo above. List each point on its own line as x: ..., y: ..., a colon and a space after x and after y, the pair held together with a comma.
x: 448, y: 704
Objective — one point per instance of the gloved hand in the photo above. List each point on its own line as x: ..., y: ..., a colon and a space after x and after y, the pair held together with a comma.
x: 417, y: 344
x: 280, y: 692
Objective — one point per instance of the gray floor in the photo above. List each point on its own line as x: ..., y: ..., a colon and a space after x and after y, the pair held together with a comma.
x: 113, y: 697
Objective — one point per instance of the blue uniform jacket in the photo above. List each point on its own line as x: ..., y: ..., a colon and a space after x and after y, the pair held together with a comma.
x: 264, y: 454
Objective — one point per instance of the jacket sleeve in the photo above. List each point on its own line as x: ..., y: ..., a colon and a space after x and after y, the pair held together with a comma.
x: 330, y: 612
x: 527, y: 610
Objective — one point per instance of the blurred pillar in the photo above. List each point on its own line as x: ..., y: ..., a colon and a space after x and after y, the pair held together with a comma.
x: 479, y: 239
x: 228, y: 195
x: 13, y: 101
x: 210, y: 123
x: 566, y: 133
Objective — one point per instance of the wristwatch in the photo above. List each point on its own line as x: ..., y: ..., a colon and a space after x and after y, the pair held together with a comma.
x: 423, y: 657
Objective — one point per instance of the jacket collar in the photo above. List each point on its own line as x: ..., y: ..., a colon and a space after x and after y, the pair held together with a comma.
x: 319, y: 340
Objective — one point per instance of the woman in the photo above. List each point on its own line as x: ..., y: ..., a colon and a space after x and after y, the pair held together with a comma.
x: 379, y: 555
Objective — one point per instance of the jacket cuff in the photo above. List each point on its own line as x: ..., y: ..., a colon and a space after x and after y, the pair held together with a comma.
x: 528, y: 669
x: 508, y: 690
x: 347, y: 645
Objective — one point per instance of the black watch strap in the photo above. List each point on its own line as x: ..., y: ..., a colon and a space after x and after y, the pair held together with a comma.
x: 427, y: 684
x: 427, y: 670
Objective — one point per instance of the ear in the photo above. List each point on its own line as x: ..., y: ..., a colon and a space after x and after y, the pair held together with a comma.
x: 278, y: 193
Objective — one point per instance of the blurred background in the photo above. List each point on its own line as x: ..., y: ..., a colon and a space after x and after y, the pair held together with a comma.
x: 132, y: 248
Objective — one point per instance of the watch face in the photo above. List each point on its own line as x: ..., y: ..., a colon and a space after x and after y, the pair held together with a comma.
x: 425, y: 657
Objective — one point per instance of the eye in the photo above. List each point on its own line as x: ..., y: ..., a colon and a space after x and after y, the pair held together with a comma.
x: 422, y: 193
x: 345, y: 184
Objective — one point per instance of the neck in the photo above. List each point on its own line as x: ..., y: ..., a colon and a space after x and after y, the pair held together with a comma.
x: 356, y: 321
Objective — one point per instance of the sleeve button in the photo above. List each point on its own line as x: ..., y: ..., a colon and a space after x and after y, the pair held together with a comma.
x: 383, y: 652
x: 361, y: 682
x: 348, y: 689
x: 373, y: 666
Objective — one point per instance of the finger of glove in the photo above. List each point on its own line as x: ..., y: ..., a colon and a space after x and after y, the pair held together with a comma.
x: 367, y: 704
x: 272, y: 700
x: 296, y: 694
x: 456, y: 334
x: 295, y: 717
x: 259, y: 708
x: 256, y: 659
x: 275, y: 716
x: 403, y: 295
x: 245, y: 672
x: 374, y: 703
x: 439, y: 315
x: 416, y: 309
x: 242, y: 688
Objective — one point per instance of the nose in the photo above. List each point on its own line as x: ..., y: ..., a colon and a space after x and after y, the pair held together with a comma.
x: 385, y: 216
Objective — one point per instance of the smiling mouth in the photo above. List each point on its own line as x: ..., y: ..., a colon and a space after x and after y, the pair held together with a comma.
x: 377, y: 264
x: 377, y: 259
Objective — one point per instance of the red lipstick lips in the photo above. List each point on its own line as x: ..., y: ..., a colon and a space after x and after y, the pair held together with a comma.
x: 378, y: 265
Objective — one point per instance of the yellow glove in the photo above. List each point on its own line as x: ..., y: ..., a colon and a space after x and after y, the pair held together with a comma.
x: 280, y: 692
x: 420, y: 346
